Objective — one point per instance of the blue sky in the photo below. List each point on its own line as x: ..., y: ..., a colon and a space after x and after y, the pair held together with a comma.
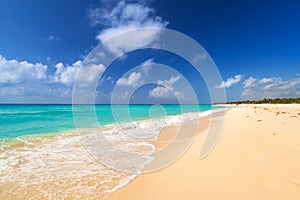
x: 255, y: 45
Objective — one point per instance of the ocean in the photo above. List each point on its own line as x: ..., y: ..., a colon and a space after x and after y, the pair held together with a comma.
x: 42, y: 155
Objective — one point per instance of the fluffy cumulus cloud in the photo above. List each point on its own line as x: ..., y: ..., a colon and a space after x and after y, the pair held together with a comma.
x: 271, y: 87
x: 22, y: 81
x: 169, y: 83
x: 22, y: 72
x: 64, y: 74
x: 125, y: 13
x: 126, y: 16
x: 146, y: 66
x: 249, y: 82
x: 68, y: 74
x: 136, y: 77
x: 267, y: 80
x: 230, y: 81
x: 133, y: 79
x: 165, y: 89
x: 13, y: 71
x: 161, y: 93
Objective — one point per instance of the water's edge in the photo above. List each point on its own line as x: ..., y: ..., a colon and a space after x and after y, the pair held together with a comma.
x: 41, y: 154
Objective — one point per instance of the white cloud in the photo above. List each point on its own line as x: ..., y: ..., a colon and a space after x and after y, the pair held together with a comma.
x: 65, y: 75
x: 160, y: 92
x: 287, y: 85
x: 276, y: 82
x: 34, y: 83
x: 146, y: 66
x: 249, y: 82
x: 136, y: 78
x: 269, y: 86
x: 125, y: 13
x: 133, y: 79
x: 169, y: 83
x: 124, y: 17
x: 13, y: 71
x: 230, y: 81
x: 199, y: 57
x: 121, y: 44
x: 165, y: 89
x: 267, y: 80
x: 272, y: 87
x: 68, y: 74
x: 12, y: 91
x: 247, y: 92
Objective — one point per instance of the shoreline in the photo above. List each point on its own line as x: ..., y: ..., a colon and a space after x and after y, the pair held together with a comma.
x: 258, y: 159
x: 46, y: 158
x: 182, y: 178
x: 102, y: 127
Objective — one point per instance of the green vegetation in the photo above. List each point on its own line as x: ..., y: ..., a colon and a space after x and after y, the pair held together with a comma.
x: 273, y: 101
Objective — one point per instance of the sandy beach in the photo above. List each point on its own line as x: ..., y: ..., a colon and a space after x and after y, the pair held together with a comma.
x: 256, y: 157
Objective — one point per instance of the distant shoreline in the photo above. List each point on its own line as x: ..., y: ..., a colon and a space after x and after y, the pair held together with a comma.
x: 268, y: 101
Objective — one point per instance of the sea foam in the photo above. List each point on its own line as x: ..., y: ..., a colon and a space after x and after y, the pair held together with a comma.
x: 62, y: 165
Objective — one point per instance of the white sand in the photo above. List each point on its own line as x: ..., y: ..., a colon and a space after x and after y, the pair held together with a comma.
x: 257, y: 157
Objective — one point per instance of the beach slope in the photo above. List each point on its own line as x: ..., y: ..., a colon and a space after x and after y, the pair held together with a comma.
x: 256, y: 157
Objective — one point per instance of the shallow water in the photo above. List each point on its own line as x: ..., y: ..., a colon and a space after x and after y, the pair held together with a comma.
x: 61, y: 165
x: 20, y: 120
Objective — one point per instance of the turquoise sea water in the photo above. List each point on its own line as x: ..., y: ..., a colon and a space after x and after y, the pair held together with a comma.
x: 64, y: 164
x: 21, y: 120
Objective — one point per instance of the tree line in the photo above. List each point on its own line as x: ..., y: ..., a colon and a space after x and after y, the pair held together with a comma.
x: 272, y: 101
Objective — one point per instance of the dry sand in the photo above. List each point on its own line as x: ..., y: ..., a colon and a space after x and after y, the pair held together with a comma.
x: 256, y: 157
